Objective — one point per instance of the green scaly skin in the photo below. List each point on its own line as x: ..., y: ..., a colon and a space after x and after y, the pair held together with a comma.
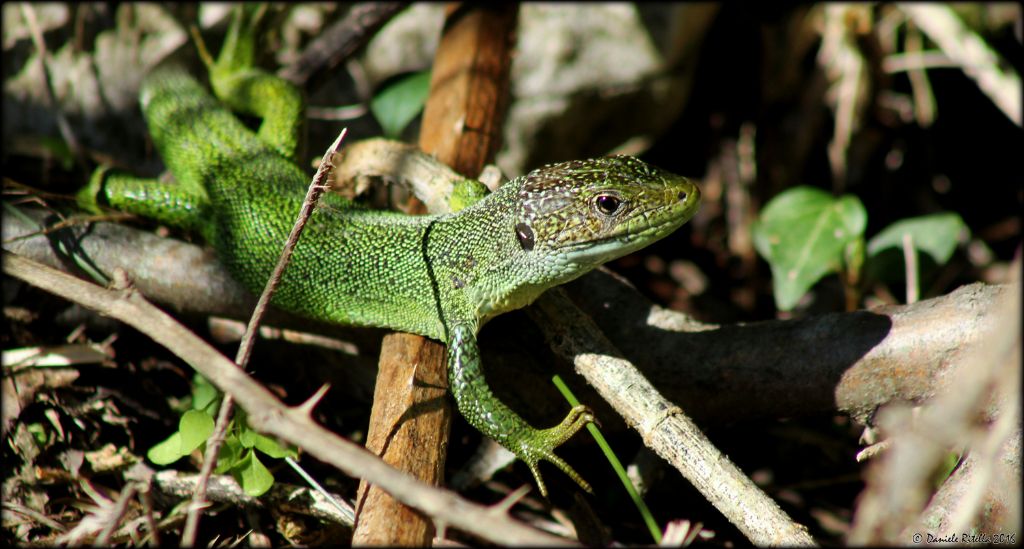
x: 441, y: 276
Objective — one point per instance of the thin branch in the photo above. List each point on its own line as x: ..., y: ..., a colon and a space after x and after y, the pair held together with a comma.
x: 313, y: 194
x: 1001, y: 494
x: 340, y: 41
x: 924, y: 99
x: 145, y: 496
x: 270, y: 415
x: 282, y: 496
x: 344, y: 509
x: 32, y: 514
x: 429, y: 180
x: 971, y: 53
x: 917, y: 61
x: 910, y: 267
x: 28, y: 12
x: 118, y: 511
x: 844, y: 65
x: 663, y: 425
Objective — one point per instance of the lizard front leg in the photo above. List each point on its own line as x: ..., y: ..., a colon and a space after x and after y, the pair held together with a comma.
x: 175, y: 205
x: 493, y: 418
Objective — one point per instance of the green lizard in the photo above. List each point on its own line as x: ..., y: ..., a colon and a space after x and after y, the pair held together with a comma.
x: 441, y: 276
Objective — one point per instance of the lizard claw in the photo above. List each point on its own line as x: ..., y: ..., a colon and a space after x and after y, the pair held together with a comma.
x: 541, y: 445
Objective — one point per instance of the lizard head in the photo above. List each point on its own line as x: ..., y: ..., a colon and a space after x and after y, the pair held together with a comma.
x: 583, y: 213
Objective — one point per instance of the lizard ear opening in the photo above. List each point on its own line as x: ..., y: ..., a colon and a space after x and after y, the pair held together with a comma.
x: 525, y: 235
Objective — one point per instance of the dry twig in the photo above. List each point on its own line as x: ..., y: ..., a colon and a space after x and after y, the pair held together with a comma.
x: 270, y: 415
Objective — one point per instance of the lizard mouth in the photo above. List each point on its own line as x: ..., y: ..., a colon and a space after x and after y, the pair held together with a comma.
x: 650, y: 227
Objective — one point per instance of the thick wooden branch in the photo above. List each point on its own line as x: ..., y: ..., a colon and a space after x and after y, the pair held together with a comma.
x: 409, y: 421
x: 978, y: 413
x: 849, y: 362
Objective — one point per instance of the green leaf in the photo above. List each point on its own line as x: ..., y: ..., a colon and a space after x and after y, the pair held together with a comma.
x: 247, y: 436
x: 195, y: 427
x: 398, y: 103
x: 205, y: 395
x: 936, y: 235
x: 168, y: 451
x: 254, y: 477
x: 39, y: 433
x: 230, y: 455
x: 271, y: 447
x: 803, y: 234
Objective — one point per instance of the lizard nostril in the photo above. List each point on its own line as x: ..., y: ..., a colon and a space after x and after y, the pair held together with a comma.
x: 682, y: 196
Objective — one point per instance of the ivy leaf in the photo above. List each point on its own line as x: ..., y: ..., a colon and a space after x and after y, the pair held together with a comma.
x: 803, y: 234
x: 936, y: 235
x: 399, y: 102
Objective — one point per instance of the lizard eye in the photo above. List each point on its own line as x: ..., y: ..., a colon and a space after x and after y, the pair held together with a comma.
x: 607, y: 204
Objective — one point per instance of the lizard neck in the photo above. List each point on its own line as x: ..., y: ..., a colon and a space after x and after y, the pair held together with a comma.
x: 479, y: 267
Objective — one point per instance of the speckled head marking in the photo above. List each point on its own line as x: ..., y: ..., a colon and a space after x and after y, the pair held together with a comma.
x: 595, y: 210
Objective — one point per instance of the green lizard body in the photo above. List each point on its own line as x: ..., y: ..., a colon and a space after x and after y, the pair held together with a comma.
x: 441, y: 276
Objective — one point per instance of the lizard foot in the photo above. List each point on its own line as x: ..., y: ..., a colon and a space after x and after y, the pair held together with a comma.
x: 543, y: 442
